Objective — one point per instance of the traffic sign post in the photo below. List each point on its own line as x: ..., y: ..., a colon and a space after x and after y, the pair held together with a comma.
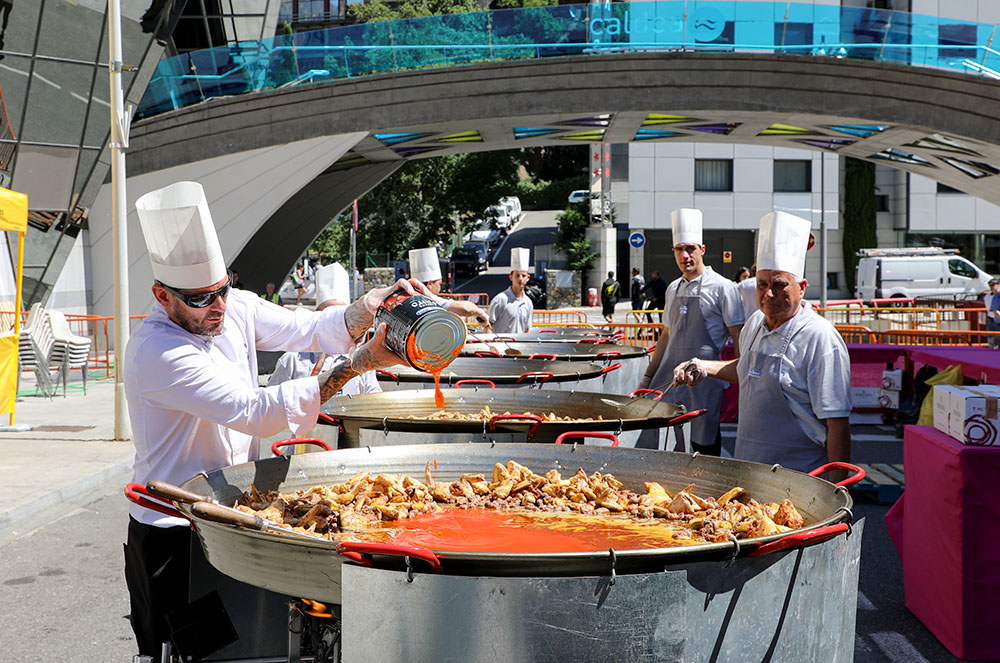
x: 637, y: 240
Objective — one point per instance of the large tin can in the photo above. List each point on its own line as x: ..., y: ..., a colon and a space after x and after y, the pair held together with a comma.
x: 419, y: 330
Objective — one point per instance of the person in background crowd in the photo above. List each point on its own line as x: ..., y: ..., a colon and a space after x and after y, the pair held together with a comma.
x: 656, y: 292
x: 191, y: 386
x: 748, y: 292
x: 270, y: 295
x: 992, y: 303
x: 742, y: 274
x: 299, y: 281
x: 236, y: 279
x: 510, y: 311
x: 793, y: 370
x: 635, y: 289
x: 426, y: 268
x: 610, y: 291
x: 703, y: 310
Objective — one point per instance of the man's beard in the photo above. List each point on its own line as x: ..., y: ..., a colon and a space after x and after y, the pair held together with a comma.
x: 201, y: 327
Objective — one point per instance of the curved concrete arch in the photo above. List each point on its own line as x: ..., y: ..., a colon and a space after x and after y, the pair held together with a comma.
x: 749, y: 91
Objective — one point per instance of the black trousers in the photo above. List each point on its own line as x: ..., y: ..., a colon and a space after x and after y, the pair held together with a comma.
x: 157, y: 565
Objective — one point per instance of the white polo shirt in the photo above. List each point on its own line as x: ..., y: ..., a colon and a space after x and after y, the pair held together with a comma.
x: 721, y: 306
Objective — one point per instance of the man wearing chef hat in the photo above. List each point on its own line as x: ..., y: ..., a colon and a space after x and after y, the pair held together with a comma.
x: 510, y: 311
x: 426, y: 268
x: 191, y: 384
x: 794, y: 371
x: 702, y: 309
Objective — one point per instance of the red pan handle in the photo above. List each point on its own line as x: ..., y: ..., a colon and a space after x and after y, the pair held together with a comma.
x: 608, y: 369
x: 487, y: 353
x: 800, y: 539
x: 489, y: 383
x: 508, y: 339
x: 687, y: 416
x: 548, y: 331
x: 276, y: 446
x: 137, y: 493
x: 651, y: 349
x: 517, y: 417
x: 356, y: 550
x: 473, y: 340
x: 587, y: 340
x: 591, y: 333
x: 587, y: 433
x: 610, y: 354
x: 382, y: 371
x: 859, y: 473
x: 324, y: 418
x: 541, y: 377
x: 542, y: 356
x: 643, y: 392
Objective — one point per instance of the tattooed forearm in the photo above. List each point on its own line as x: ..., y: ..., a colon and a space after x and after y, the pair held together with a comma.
x: 357, y: 319
x: 331, y: 380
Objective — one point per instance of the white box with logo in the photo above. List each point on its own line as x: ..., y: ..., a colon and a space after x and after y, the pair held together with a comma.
x: 973, y: 417
x: 892, y: 380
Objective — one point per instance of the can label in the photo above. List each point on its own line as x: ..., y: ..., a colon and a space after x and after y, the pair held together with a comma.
x: 420, y: 331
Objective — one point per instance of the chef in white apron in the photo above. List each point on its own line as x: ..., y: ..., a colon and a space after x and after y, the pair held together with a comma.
x: 703, y: 310
x: 794, y: 371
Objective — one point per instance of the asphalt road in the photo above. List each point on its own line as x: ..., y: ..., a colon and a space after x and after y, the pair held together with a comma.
x: 535, y: 227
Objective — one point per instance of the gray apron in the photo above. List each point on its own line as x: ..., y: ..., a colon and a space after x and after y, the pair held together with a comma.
x: 767, y: 431
x: 689, y: 338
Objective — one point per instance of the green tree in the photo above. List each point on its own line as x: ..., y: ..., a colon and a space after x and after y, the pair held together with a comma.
x: 572, y: 240
x: 859, y: 214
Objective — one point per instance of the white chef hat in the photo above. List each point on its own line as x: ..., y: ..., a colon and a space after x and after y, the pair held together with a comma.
x: 782, y: 243
x: 332, y: 284
x: 686, y: 224
x: 520, y: 259
x: 180, y: 236
x: 424, y: 265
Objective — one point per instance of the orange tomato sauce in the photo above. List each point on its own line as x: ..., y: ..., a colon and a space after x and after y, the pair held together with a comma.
x: 487, y: 530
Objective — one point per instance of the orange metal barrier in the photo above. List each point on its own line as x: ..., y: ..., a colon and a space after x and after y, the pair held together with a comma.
x: 544, y: 317
x: 637, y: 315
x: 642, y: 334
x: 480, y: 299
x: 98, y: 329
x: 857, y: 334
x: 931, y: 337
x: 887, y: 318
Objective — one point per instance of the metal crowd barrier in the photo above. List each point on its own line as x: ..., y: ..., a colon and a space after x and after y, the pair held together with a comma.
x: 545, y: 317
x: 882, y: 318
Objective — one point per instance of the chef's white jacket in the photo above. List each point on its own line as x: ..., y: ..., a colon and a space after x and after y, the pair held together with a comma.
x: 194, y: 401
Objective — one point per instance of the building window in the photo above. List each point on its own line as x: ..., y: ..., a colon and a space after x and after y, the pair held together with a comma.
x: 713, y: 174
x: 882, y: 202
x: 962, y: 36
x: 793, y: 34
x: 944, y: 188
x: 833, y: 280
x: 792, y: 176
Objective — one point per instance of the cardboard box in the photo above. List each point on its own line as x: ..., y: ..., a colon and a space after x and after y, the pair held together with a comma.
x: 973, y: 418
x: 892, y: 380
x: 941, y: 394
x: 864, y: 397
x: 889, y: 399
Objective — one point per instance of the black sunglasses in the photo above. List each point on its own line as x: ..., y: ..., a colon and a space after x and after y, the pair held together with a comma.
x: 202, y: 299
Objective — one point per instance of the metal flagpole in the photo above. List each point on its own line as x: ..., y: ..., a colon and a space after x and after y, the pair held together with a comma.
x: 822, y: 229
x: 354, y: 252
x: 120, y: 121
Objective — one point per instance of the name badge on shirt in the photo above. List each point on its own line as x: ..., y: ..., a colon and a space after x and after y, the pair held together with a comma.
x: 754, y: 372
x: 683, y: 309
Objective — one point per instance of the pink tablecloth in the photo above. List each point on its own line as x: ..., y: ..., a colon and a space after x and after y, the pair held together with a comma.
x: 982, y: 364
x: 951, y: 540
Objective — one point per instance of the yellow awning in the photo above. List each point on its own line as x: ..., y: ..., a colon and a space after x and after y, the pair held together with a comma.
x: 13, y: 211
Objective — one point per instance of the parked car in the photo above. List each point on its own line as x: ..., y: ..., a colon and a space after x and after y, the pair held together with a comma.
x: 513, y: 205
x: 485, y: 233
x: 485, y: 246
x: 536, y: 292
x: 469, y: 258
x: 578, y: 196
x: 499, y: 216
x: 917, y: 272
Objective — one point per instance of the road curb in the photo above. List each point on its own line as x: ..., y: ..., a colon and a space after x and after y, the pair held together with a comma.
x: 70, y: 493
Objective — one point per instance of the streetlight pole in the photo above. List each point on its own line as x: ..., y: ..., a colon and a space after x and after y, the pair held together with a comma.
x: 120, y: 120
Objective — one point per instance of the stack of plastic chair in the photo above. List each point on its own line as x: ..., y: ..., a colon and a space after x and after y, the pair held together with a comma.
x: 34, y: 347
x: 68, y: 349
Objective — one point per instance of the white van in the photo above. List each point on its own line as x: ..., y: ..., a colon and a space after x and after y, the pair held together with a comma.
x: 918, y: 272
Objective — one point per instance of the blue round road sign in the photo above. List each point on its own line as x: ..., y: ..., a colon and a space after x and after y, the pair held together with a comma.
x: 636, y: 240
